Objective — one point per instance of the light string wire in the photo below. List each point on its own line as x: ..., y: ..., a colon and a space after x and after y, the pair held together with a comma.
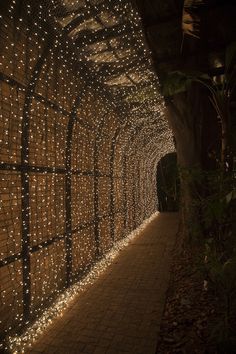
x: 19, y: 344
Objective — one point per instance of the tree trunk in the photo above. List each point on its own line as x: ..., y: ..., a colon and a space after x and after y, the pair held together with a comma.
x: 184, y: 116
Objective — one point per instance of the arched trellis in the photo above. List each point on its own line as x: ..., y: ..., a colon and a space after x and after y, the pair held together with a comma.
x: 145, y: 140
x: 124, y: 127
x: 68, y: 190
x: 111, y: 122
x: 112, y: 201
x: 96, y: 190
x: 26, y: 247
x: 25, y: 179
x: 134, y: 132
x: 134, y: 169
x: 130, y: 129
x: 148, y: 148
x: 133, y: 156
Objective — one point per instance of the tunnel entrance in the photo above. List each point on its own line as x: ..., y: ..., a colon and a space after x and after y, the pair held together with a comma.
x: 167, y: 178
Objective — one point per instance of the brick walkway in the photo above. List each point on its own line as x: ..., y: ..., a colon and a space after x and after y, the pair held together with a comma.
x: 121, y: 311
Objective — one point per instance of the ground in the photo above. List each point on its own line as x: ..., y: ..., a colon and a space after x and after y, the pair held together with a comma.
x: 121, y: 312
x: 189, y: 316
x: 153, y: 299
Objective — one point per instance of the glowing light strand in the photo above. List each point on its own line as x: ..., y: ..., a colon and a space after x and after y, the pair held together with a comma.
x: 19, y: 344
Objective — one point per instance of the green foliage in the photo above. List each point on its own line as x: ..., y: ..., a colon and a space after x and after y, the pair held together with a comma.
x: 177, y: 81
x: 218, y: 215
x: 221, y: 273
x: 222, y: 277
x: 213, y: 197
x: 214, y: 232
x: 230, y: 196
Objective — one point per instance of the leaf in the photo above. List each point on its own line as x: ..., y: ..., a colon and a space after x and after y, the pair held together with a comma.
x: 177, y: 81
x: 230, y: 196
x: 230, y: 56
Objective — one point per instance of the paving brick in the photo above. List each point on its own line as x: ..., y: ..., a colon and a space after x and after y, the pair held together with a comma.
x: 121, y: 311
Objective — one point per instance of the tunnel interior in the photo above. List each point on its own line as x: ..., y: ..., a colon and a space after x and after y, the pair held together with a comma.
x: 82, y: 131
x: 109, y: 111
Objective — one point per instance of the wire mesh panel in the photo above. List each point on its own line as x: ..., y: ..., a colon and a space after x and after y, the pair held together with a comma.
x: 83, y: 250
x: 16, y: 44
x: 10, y: 211
x: 118, y: 195
x: 82, y: 148
x: 82, y: 200
x: 12, y: 100
x: 104, y: 148
x: 104, y: 186
x: 11, y: 295
x: 119, y: 226
x: 105, y: 240
x: 47, y: 140
x: 47, y: 206
x: 47, y: 274
x: 71, y: 181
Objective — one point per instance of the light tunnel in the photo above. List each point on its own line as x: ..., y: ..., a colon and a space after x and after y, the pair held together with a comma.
x: 78, y: 155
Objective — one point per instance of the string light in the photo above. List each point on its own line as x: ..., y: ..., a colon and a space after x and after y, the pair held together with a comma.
x: 82, y: 129
x: 19, y: 344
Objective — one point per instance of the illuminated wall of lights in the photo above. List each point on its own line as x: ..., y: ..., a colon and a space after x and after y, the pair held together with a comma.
x: 76, y: 173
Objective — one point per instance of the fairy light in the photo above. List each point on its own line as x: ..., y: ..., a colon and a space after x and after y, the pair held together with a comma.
x: 19, y: 344
x: 61, y: 189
